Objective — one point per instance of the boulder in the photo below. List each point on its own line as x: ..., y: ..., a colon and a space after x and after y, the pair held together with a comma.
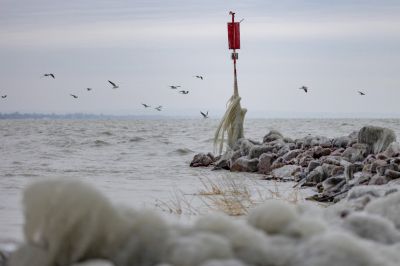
x: 316, y: 176
x: 391, y: 174
x: 312, y: 165
x: 265, y: 163
x: 337, y: 152
x: 257, y: 150
x: 236, y: 155
x: 393, y: 150
x: 377, y: 138
x: 272, y: 135
x: 282, y: 151
x: 245, y: 147
x: 377, y: 164
x: 202, y: 159
x: 244, y: 164
x: 378, y: 180
x: 292, y: 154
x: 305, y: 160
x: 355, y: 153
x: 341, y: 142
x: 286, y: 171
x: 223, y: 162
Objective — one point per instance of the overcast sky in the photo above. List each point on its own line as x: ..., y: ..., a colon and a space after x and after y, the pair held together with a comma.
x: 334, y: 47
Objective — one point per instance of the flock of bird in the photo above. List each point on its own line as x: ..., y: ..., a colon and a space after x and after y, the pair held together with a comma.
x: 115, y: 86
x: 305, y: 89
x: 174, y: 87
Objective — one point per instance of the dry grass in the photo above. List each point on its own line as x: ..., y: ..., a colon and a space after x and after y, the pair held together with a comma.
x: 178, y: 204
x: 228, y: 195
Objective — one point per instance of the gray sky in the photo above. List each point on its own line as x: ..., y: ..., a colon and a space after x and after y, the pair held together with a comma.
x: 334, y: 47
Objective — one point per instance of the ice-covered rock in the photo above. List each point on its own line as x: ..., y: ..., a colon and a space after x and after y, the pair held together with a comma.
x: 202, y: 159
x: 244, y: 164
x: 272, y: 135
x: 377, y: 138
x: 286, y: 171
x: 265, y: 163
x: 89, y: 228
x: 257, y: 150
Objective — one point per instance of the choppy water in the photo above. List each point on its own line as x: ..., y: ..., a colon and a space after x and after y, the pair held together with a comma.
x: 134, y: 162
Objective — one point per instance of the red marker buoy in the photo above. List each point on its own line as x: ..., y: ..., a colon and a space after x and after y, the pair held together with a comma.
x: 234, y: 43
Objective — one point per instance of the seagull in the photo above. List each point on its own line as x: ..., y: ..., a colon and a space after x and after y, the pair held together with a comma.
x: 88, y: 89
x: 184, y: 92
x: 304, y: 88
x: 158, y: 108
x: 361, y: 93
x: 199, y: 77
x: 145, y: 105
x: 49, y: 75
x: 205, y: 115
x: 4, y: 96
x: 174, y: 87
x: 74, y: 96
x: 113, y: 84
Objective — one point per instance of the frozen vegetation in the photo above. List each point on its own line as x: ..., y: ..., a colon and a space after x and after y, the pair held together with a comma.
x: 69, y: 222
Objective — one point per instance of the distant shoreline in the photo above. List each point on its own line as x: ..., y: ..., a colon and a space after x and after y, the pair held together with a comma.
x: 272, y: 116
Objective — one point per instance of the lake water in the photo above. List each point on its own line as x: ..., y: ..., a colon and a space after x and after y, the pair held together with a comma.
x: 139, y: 163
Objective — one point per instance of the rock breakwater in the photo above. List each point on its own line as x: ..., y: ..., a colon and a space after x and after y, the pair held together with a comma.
x: 370, y: 156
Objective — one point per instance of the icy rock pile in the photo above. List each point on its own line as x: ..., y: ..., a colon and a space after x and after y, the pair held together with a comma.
x: 361, y: 230
x: 370, y: 156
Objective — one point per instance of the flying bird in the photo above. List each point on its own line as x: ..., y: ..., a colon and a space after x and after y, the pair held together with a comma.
x: 158, y: 108
x: 88, y: 89
x: 361, y: 93
x: 199, y: 77
x: 145, y: 105
x: 174, y: 87
x: 241, y: 20
x: 113, y: 84
x: 304, y: 88
x: 73, y: 95
x: 184, y: 92
x: 49, y: 75
x: 205, y: 115
x: 4, y: 96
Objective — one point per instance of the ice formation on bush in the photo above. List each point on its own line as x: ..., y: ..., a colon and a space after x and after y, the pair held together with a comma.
x: 67, y: 222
